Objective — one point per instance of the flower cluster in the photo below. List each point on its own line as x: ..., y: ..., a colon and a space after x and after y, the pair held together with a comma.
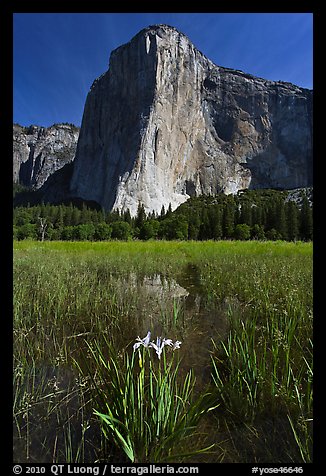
x: 158, y: 345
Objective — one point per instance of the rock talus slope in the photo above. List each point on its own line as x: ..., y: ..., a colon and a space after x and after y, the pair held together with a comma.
x: 164, y: 123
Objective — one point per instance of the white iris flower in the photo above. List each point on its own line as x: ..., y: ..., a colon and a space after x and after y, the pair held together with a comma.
x: 145, y: 341
x: 176, y: 345
x: 158, y: 346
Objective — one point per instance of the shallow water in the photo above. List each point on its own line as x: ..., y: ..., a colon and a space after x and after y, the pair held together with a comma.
x: 55, y: 418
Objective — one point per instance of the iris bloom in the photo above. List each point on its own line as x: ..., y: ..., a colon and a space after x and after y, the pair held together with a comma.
x: 145, y: 342
x: 176, y: 345
x: 160, y: 345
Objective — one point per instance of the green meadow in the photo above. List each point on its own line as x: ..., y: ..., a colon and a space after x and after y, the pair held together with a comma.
x: 239, y: 388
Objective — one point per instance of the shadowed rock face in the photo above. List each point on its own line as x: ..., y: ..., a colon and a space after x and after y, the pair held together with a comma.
x: 164, y: 123
x: 38, y: 152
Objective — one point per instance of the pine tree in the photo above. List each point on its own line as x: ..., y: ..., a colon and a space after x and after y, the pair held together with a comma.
x: 94, y: 217
x: 216, y: 222
x: 205, y: 227
x: 257, y: 214
x: 141, y: 216
x: 270, y: 220
x: 193, y: 225
x: 60, y: 219
x: 127, y: 216
x: 245, y: 214
x: 292, y: 220
x: 113, y: 216
x: 53, y: 214
x: 162, y: 214
x: 75, y: 216
x: 281, y: 219
x: 306, y: 220
x: 169, y: 211
x: 85, y: 216
x: 68, y: 211
x: 229, y: 218
x: 103, y: 216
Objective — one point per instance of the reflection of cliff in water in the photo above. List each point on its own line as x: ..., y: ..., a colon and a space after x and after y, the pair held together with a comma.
x: 180, y: 308
x: 183, y: 294
x: 174, y: 306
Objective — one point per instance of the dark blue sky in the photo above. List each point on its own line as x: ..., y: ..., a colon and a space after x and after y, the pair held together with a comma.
x: 57, y: 56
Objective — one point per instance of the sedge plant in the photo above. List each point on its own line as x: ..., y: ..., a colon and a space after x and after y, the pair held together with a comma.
x: 143, y: 405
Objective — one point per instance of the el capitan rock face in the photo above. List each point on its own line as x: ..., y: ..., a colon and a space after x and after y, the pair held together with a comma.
x: 164, y: 123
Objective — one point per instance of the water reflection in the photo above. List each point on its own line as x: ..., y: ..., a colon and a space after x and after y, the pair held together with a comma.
x: 170, y: 306
x: 177, y: 307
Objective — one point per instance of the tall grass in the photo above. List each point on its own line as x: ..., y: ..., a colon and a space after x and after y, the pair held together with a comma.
x: 72, y: 299
x: 264, y: 366
x: 146, y: 408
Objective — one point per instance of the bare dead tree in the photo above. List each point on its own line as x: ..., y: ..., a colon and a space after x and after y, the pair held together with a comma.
x: 43, y: 227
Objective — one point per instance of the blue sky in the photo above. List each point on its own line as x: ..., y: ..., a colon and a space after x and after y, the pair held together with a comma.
x: 57, y: 56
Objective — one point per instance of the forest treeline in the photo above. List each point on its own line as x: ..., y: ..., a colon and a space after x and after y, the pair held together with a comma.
x: 250, y: 214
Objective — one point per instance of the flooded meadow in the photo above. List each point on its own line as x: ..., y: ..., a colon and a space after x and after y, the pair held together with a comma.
x: 242, y: 312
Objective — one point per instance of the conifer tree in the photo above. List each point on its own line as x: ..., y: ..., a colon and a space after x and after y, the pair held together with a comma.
x: 85, y: 216
x: 229, y: 218
x: 169, y: 211
x: 205, y: 228
x: 245, y: 214
x: 292, y: 220
x: 60, y: 220
x: 193, y: 225
x: 141, y: 216
x: 306, y: 220
x: 75, y: 216
x: 162, y: 214
x: 257, y: 214
x: 281, y: 219
x: 127, y: 216
x: 216, y: 222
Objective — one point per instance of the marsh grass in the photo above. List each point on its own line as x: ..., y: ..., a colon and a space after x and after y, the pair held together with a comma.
x: 145, y: 406
x: 258, y: 312
x: 263, y: 370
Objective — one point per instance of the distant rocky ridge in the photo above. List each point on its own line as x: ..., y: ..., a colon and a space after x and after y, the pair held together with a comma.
x: 38, y: 152
x: 164, y: 123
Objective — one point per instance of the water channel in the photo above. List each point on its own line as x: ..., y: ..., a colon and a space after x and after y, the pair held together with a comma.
x: 176, y: 307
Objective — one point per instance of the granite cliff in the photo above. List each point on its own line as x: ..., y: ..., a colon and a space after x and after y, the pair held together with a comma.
x: 165, y: 123
x: 38, y: 152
